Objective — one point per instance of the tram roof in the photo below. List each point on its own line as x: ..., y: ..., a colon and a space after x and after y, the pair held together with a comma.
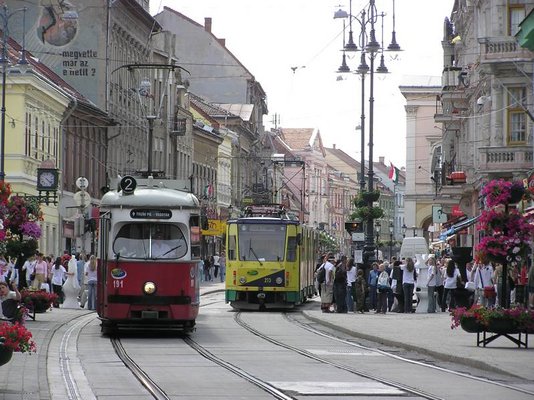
x: 150, y: 197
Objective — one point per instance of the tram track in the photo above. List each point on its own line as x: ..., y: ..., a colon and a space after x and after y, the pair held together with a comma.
x: 400, y: 358
x: 360, y: 373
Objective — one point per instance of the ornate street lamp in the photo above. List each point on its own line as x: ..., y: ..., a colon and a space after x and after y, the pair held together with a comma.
x: 369, y: 47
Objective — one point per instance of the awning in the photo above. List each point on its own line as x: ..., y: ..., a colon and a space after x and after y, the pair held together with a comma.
x: 458, y: 227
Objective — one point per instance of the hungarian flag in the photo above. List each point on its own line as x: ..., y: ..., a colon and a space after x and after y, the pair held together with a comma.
x: 393, y: 173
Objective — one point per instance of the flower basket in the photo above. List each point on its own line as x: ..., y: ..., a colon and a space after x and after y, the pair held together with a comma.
x: 496, y: 320
x: 369, y: 197
x: 16, y: 337
x: 471, y: 325
x: 39, y: 300
x: 5, y: 354
x: 366, y: 213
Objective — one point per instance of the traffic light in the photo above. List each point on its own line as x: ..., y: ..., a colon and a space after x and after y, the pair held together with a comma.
x: 353, y: 226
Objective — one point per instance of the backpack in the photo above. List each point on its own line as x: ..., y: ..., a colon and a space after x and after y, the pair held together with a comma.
x: 321, y: 275
x: 383, y: 281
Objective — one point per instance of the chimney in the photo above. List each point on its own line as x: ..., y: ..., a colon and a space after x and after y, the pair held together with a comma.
x: 207, y: 24
x: 222, y: 42
x: 381, y: 159
x: 334, y: 146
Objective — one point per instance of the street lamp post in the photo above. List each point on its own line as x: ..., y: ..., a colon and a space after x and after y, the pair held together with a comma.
x: 404, y: 227
x: 391, y: 228
x: 378, y: 228
x: 370, y: 47
x: 5, y: 15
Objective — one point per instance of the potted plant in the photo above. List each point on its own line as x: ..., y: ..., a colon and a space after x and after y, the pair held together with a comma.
x: 14, y: 337
x: 38, y: 300
x: 497, y: 320
x: 365, y: 213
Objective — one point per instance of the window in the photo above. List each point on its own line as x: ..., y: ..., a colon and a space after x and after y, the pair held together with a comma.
x: 262, y: 242
x: 516, y: 14
x: 517, y: 118
x: 150, y: 241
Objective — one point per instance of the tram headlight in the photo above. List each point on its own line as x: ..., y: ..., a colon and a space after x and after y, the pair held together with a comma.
x: 242, y: 280
x: 149, y: 288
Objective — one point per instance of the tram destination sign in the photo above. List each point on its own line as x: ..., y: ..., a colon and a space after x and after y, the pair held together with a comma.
x: 148, y: 213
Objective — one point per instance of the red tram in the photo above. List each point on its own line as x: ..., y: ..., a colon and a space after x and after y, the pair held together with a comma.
x: 149, y: 252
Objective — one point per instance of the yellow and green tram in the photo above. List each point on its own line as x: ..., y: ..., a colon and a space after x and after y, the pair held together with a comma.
x: 270, y: 259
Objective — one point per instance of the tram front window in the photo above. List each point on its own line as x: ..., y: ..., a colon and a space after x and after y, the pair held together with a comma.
x: 150, y: 241
x: 262, y: 242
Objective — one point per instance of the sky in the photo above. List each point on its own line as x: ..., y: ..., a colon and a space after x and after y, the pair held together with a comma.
x: 272, y: 37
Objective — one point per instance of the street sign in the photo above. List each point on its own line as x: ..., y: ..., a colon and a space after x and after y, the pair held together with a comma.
x: 438, y: 216
x: 82, y: 183
x: 82, y: 199
x: 358, y: 237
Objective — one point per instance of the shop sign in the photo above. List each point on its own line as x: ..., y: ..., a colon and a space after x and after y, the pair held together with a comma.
x: 216, y: 227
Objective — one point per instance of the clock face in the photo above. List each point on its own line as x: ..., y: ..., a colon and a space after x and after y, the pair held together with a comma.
x: 47, y: 180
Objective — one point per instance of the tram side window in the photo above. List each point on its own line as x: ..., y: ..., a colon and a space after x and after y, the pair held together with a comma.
x: 291, y: 248
x: 195, y: 235
x: 150, y: 241
x: 231, y: 247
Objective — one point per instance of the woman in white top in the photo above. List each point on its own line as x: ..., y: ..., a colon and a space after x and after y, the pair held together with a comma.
x: 91, y: 274
x: 433, y: 275
x: 58, y: 274
x: 351, y: 278
x: 450, y: 286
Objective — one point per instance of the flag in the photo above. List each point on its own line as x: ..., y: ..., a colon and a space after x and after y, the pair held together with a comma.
x: 393, y: 173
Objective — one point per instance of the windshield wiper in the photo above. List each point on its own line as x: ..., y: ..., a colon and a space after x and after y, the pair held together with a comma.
x: 251, y: 250
x: 167, y: 252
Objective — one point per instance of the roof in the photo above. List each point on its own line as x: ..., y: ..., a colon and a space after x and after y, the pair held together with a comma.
x: 244, y: 111
x: 213, y: 110
x: 302, y: 138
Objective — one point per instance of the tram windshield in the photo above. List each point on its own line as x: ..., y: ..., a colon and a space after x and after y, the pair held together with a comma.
x: 262, y: 242
x: 150, y: 241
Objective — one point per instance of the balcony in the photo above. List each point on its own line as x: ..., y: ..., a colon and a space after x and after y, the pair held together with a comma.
x: 505, y: 159
x: 447, y: 112
x: 502, y: 49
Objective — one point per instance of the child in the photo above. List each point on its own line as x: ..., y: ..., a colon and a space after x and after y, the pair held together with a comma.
x: 360, y: 287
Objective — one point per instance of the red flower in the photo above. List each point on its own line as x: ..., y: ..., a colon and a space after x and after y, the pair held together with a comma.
x: 17, y: 338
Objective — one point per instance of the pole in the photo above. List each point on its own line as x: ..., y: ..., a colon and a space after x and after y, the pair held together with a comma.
x: 150, y: 119
x: 362, y: 130
x: 5, y: 19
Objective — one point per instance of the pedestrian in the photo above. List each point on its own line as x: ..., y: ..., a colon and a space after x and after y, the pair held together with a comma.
x: 207, y: 269
x: 91, y: 274
x: 383, y: 287
x: 81, y: 260
x: 360, y: 291
x: 58, y: 276
x: 340, y: 286
x: 432, y: 277
x: 530, y: 283
x: 40, y: 270
x: 7, y: 294
x: 396, y: 286
x: 372, y: 282
x: 409, y: 277
x: 484, y: 289
x: 222, y: 265
x: 327, y: 287
x: 351, y: 279
x: 451, y: 283
x: 216, y: 265
x: 28, y: 267
x: 390, y: 295
x: 319, y: 275
x: 12, y: 275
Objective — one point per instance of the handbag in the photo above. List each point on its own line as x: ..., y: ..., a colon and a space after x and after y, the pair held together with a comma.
x: 32, y: 277
x: 489, y: 292
x: 470, y: 286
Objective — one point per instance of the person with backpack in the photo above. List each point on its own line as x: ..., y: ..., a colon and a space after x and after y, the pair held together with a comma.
x: 383, y: 287
x: 327, y: 287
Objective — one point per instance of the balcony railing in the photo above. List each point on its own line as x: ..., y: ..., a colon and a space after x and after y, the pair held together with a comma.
x: 502, y: 49
x: 505, y: 159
